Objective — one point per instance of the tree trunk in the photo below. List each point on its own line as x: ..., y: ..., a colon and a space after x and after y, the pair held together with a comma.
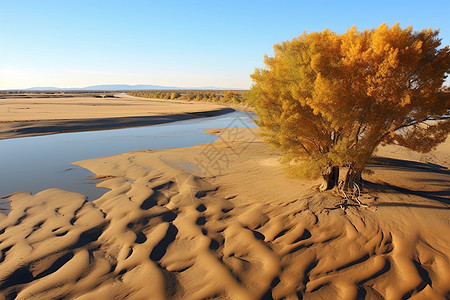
x: 353, y: 176
x: 330, y: 178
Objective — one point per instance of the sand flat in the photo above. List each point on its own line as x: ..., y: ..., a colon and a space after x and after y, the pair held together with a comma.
x: 15, y: 108
x: 36, y: 114
x: 223, y: 220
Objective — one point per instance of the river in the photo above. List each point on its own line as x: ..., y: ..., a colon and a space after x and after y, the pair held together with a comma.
x: 32, y: 164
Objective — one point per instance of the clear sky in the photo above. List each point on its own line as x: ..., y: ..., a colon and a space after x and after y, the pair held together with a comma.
x: 76, y: 43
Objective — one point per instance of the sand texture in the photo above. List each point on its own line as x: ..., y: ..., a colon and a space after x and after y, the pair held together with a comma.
x: 224, y: 221
x: 34, y: 114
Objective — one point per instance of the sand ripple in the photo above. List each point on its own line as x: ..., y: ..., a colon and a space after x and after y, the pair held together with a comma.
x: 163, y: 232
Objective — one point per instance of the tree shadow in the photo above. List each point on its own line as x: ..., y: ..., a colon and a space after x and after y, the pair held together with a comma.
x: 442, y: 196
x: 407, y: 165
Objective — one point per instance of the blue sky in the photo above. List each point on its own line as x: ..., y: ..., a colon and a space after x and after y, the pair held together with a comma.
x: 76, y: 43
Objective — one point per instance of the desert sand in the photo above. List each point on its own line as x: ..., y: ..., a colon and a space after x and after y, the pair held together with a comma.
x: 223, y: 220
x: 38, y: 114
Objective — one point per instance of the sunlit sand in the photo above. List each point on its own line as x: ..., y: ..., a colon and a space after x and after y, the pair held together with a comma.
x: 178, y: 224
x: 37, y: 114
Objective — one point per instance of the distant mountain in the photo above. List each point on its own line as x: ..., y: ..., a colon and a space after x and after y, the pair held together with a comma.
x: 46, y: 88
x: 125, y: 87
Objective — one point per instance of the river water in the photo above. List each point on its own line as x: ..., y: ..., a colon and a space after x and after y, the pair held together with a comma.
x: 32, y: 164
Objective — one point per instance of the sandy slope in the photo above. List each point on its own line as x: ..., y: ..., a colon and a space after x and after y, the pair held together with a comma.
x: 223, y: 221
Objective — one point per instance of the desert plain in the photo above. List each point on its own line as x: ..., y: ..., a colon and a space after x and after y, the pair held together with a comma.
x: 222, y: 221
x: 37, y: 114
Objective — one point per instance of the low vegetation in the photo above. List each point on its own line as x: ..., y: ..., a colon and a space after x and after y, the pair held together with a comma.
x: 226, y: 97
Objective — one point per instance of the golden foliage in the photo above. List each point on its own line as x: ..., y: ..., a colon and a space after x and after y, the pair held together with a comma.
x: 332, y: 98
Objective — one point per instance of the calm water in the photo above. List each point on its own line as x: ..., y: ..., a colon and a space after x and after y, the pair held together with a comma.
x: 32, y: 164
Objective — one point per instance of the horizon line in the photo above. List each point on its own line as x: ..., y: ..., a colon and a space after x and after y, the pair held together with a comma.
x: 120, y: 87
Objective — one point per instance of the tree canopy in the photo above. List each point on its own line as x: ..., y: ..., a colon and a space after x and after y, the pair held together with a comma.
x: 330, y: 99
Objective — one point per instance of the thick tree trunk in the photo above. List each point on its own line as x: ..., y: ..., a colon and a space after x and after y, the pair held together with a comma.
x: 330, y: 178
x: 353, y: 176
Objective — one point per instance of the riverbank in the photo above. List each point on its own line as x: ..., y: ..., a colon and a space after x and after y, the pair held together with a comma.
x: 31, y: 115
x: 223, y: 220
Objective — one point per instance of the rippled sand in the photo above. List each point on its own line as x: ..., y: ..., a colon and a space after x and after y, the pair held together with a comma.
x: 224, y: 221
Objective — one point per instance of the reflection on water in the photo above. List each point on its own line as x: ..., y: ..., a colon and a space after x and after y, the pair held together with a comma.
x: 32, y: 164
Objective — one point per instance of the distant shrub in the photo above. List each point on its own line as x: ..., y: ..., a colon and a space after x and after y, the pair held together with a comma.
x: 220, y: 96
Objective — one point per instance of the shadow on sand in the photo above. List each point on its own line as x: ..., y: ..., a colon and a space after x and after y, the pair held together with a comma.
x: 442, y: 195
x: 407, y: 165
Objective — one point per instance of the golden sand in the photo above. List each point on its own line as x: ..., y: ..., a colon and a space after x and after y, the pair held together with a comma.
x: 184, y: 224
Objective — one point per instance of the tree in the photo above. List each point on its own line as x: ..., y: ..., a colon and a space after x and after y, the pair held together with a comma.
x: 231, y: 96
x: 328, y: 100
x: 174, y: 95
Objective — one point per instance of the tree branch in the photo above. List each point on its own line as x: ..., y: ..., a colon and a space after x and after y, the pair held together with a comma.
x: 415, y: 122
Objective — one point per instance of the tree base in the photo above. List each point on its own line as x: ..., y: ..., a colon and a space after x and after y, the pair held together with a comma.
x: 353, y: 178
x: 330, y: 178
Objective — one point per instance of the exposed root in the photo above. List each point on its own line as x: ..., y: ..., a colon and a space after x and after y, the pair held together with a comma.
x: 349, y: 195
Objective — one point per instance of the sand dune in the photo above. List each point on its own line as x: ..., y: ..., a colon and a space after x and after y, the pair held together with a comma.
x: 224, y: 221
